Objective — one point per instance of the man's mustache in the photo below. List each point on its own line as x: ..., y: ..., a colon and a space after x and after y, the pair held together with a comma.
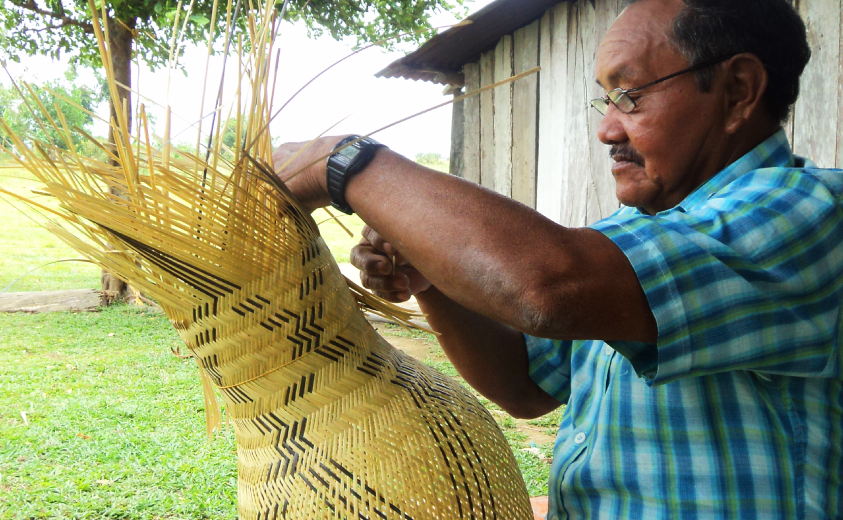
x: 625, y: 152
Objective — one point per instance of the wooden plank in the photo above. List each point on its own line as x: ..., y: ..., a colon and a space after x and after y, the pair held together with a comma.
x: 576, y: 163
x: 457, y: 164
x: 503, y: 118
x: 471, y: 118
x: 815, y: 126
x: 487, y: 121
x: 839, y: 162
x: 553, y: 57
x: 525, y: 115
x: 602, y: 198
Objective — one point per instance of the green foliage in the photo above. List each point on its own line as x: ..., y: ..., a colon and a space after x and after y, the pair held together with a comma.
x: 370, y: 20
x: 23, y: 114
x: 64, y: 27
x: 435, y: 161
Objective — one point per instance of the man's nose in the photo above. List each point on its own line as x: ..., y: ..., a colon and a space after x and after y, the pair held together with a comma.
x: 611, y: 129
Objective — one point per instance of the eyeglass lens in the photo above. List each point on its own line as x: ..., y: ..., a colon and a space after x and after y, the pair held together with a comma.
x: 601, y: 105
x: 619, y: 98
x: 622, y: 100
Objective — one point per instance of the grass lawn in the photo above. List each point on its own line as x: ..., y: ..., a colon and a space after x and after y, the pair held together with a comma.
x: 115, y: 422
x: 98, y: 419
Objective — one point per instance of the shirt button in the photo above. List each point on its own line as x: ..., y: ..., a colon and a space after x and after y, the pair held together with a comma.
x: 608, y: 350
x: 580, y: 438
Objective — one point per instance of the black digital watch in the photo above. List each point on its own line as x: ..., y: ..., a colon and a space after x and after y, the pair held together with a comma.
x: 346, y: 163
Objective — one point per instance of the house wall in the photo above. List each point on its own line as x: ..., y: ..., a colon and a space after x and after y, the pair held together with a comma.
x: 817, y: 129
x: 535, y: 140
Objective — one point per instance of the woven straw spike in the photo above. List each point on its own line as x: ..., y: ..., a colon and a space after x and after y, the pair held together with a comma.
x: 330, y: 420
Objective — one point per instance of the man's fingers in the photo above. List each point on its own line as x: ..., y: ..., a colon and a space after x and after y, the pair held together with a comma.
x: 394, y: 297
x: 367, y: 260
x: 377, y: 241
x: 397, y: 283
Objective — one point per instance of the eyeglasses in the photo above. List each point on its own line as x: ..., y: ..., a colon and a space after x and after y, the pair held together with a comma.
x: 621, y: 99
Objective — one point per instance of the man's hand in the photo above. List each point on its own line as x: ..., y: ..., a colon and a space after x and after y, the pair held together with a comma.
x: 374, y: 257
x: 302, y: 168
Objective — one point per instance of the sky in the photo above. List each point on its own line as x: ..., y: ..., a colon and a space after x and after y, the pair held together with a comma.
x: 349, y: 92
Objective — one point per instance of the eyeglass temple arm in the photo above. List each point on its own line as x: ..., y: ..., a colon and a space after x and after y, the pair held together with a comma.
x: 690, y: 69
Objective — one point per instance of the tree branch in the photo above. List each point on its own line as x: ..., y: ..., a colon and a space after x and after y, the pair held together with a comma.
x: 61, y: 17
x: 46, y: 28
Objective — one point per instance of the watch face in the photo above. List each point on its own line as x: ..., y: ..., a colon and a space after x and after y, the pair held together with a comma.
x: 349, y: 152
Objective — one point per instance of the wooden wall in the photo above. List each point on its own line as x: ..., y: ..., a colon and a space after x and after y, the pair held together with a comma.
x: 536, y: 140
x: 574, y: 183
x: 817, y: 122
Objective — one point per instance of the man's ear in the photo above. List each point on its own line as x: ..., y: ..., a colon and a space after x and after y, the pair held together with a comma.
x: 745, y: 84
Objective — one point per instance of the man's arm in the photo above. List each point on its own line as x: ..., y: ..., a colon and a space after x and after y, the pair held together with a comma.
x: 489, y: 253
x: 495, y: 362
x: 489, y: 355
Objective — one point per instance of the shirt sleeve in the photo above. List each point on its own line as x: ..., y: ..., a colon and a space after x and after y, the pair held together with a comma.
x: 751, y: 280
x: 550, y: 365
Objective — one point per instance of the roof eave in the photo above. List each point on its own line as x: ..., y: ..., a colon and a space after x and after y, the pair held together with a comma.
x: 441, y: 59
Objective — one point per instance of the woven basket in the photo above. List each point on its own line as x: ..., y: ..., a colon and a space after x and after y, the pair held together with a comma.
x: 330, y: 420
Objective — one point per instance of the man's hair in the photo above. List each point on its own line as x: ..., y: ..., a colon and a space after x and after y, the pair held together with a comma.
x: 770, y: 29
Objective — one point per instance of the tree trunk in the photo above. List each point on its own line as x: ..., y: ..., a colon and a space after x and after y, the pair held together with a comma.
x: 120, y: 39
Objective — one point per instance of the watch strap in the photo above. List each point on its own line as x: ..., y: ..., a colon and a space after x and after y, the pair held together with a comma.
x: 341, y: 168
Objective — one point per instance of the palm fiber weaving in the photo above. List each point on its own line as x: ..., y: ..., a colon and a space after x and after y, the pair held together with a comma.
x: 330, y: 420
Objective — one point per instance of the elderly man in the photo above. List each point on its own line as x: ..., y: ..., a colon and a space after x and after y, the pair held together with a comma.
x: 694, y: 334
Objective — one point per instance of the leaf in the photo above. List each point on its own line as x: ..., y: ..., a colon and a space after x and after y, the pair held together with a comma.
x: 199, y: 19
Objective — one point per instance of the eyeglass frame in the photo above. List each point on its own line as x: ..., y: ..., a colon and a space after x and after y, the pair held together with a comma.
x: 625, y: 92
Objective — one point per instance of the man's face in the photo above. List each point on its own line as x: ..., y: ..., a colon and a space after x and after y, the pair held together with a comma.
x: 668, y: 145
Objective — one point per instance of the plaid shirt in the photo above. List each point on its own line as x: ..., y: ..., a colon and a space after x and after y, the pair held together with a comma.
x: 737, y: 411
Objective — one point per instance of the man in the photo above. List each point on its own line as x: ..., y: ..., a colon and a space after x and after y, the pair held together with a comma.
x: 694, y: 335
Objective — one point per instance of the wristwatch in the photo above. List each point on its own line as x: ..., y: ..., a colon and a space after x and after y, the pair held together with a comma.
x: 346, y: 163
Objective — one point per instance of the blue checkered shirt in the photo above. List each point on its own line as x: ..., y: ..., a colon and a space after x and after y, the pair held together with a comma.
x: 737, y: 410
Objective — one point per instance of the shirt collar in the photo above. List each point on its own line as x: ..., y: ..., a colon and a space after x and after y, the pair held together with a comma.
x: 773, y: 152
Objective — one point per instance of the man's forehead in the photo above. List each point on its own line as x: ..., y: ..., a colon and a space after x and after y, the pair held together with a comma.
x: 619, y: 60
x: 636, y: 42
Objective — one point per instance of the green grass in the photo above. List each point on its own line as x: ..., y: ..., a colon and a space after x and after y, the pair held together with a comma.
x: 116, y: 423
x: 25, y: 245
x: 335, y: 236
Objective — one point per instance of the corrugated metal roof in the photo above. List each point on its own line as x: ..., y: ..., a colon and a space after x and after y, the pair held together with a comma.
x: 441, y: 59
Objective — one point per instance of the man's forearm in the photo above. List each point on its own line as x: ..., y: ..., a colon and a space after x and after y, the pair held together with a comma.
x: 489, y: 355
x: 485, y: 251
x: 480, y: 248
